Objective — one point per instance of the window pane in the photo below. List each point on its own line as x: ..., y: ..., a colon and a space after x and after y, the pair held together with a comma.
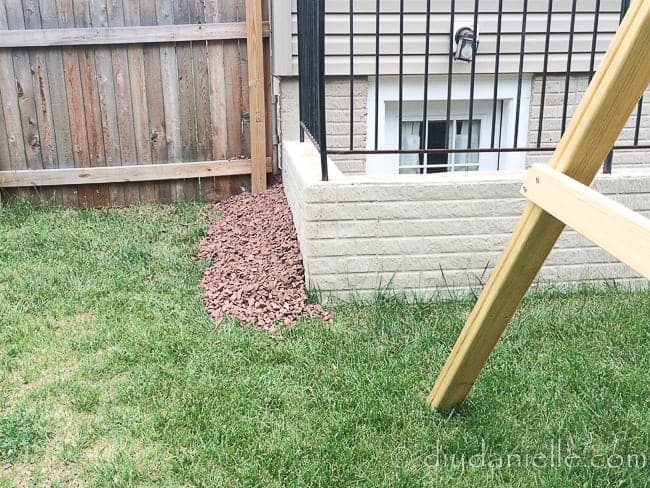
x: 466, y: 161
x: 436, y: 139
x: 411, y: 137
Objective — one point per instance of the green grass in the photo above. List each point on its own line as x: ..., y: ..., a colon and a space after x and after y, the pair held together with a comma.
x: 111, y: 374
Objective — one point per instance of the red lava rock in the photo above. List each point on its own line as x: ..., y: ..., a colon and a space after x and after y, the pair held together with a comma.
x: 256, y: 272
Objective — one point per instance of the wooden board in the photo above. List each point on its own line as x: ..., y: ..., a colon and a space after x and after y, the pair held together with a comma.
x: 615, y: 228
x: 122, y: 174
x: 152, y: 34
x: 615, y: 90
x: 105, y: 83
x: 256, y: 93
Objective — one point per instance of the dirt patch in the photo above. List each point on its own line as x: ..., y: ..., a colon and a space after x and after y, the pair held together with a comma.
x: 256, y: 272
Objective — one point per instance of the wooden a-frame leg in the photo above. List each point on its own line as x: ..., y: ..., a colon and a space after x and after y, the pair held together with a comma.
x: 622, y: 77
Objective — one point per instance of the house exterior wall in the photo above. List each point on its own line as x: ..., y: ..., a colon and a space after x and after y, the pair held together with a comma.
x: 338, y: 49
x: 337, y: 102
x: 552, y: 121
x: 430, y: 235
x: 338, y: 119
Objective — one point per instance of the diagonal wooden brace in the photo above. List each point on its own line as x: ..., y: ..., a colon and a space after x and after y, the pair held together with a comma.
x: 622, y: 77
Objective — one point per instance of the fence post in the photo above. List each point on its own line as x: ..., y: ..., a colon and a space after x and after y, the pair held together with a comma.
x: 254, y: 47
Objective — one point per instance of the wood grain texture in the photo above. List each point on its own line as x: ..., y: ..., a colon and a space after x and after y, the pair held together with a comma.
x: 169, y: 72
x: 616, y: 88
x: 106, y: 83
x: 615, y: 228
x: 155, y: 105
x: 256, y: 93
x: 58, y: 103
x: 11, y: 108
x: 126, y: 173
x: 148, y: 34
x: 107, y: 100
x: 75, y: 102
x: 88, y: 73
x: 122, y: 87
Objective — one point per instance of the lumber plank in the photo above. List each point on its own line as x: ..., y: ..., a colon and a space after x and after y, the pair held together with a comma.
x: 58, y: 104
x: 122, y: 84
x: 124, y: 174
x: 187, y: 102
x: 169, y: 70
x: 89, y: 86
x: 42, y: 100
x: 256, y: 91
x: 107, y: 100
x: 24, y: 88
x: 75, y: 102
x: 155, y: 104
x: 151, y: 34
x: 217, y: 97
x: 621, y: 79
x: 615, y: 228
x: 139, y: 104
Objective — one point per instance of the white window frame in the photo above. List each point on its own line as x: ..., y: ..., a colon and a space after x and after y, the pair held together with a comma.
x: 388, y: 164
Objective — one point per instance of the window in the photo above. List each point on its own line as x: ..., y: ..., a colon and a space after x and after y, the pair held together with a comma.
x: 493, y: 124
x: 438, y: 136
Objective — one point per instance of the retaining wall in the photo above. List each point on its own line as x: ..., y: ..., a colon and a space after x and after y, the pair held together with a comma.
x: 430, y: 235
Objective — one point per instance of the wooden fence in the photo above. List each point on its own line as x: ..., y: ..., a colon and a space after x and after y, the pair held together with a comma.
x: 112, y: 102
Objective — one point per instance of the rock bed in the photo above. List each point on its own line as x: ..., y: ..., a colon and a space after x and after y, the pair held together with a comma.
x: 255, y: 273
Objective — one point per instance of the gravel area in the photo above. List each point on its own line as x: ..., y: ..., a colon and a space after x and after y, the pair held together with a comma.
x: 256, y: 272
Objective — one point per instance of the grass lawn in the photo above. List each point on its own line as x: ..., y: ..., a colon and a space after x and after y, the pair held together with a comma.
x: 111, y: 374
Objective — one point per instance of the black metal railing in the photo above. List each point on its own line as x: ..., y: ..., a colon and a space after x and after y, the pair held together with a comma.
x: 311, y: 66
x: 433, y: 156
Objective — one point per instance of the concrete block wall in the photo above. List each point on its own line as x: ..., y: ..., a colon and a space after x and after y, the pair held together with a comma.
x: 337, y: 105
x: 429, y: 235
x: 338, y: 118
x: 552, y: 121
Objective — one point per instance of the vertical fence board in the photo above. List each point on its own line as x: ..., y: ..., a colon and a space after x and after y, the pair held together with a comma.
x: 169, y: 72
x: 217, y: 98
x: 186, y: 97
x: 107, y: 100
x: 139, y: 107
x: 59, y: 109
x: 25, y: 90
x: 76, y: 108
x: 121, y: 80
x: 86, y: 106
x: 40, y: 81
x: 155, y: 109
x: 16, y: 144
x: 88, y: 72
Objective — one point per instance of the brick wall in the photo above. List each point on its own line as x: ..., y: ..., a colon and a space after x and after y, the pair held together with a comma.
x: 337, y: 103
x: 552, y: 123
x: 429, y: 234
x: 338, y: 118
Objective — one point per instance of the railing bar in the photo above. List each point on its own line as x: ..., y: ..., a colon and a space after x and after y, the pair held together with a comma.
x: 401, y: 71
x: 472, y: 82
x: 594, y: 41
x: 425, y: 98
x: 450, y: 69
x: 609, y: 160
x: 321, y: 90
x: 496, y: 73
x: 567, y: 76
x: 542, y: 101
x: 377, y: 26
x: 465, y: 151
x: 351, y: 74
x: 524, y: 19
x: 637, y: 129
